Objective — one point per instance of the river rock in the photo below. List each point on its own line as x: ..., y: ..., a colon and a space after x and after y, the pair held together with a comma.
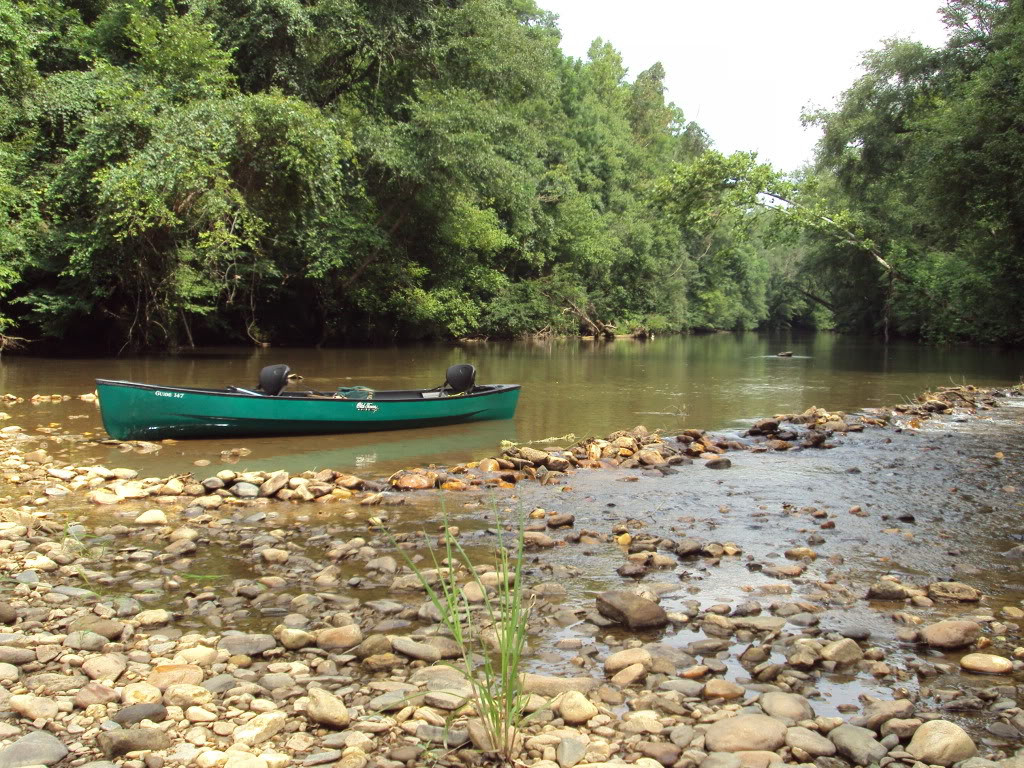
x: 260, y: 728
x: 879, y: 712
x: 575, y: 708
x: 681, y: 735
x: 570, y: 750
x: 986, y: 663
x: 885, y: 589
x: 294, y: 639
x: 152, y: 517
x: 36, y: 748
x: 339, y: 638
x: 107, y: 667
x: 721, y: 760
x: 790, y: 708
x: 409, y: 647
x: 954, y: 591
x: 857, y: 745
x: 163, y: 676
x: 545, y: 685
x: 327, y: 709
x: 811, y: 742
x: 247, y: 645
x: 940, y: 742
x: 83, y: 640
x: 136, y: 713
x: 622, y: 659
x: 184, y: 695
x: 95, y: 693
x: 632, y: 610
x: 110, y: 629
x: 33, y: 707
x: 758, y: 758
x: 17, y: 656
x: 717, y: 688
x: 49, y: 683
x: 273, y: 484
x: 951, y: 634
x: 664, y: 753
x: 845, y: 651
x: 632, y: 674
x: 745, y: 732
x: 902, y: 729
x: 120, y: 742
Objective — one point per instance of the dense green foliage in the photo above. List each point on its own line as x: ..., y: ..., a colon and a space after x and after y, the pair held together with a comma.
x: 924, y: 155
x: 340, y: 171
x: 335, y: 171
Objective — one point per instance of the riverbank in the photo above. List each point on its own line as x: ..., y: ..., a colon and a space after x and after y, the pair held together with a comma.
x: 256, y: 633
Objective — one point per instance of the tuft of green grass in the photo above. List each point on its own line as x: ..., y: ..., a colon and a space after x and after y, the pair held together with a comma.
x: 492, y: 645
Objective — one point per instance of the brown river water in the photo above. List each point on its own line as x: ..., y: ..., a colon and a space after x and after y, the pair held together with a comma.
x: 939, y: 502
x: 584, y: 388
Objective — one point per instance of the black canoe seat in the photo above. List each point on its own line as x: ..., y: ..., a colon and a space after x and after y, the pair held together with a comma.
x: 273, y: 379
x: 459, y: 379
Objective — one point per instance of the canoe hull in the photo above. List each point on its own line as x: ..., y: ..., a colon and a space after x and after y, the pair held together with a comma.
x: 132, y: 411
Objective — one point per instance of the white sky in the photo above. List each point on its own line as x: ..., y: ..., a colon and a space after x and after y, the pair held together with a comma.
x: 746, y: 69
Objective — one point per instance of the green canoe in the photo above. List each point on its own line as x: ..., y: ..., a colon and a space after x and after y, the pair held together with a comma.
x: 133, y: 411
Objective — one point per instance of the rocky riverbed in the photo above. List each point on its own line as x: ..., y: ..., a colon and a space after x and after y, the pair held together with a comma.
x: 800, y: 605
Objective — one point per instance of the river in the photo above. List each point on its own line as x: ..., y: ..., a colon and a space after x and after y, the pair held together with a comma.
x: 569, y: 386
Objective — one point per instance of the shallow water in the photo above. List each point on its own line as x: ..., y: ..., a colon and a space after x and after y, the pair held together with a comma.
x: 569, y: 386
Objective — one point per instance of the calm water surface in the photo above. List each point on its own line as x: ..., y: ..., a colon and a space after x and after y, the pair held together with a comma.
x: 569, y: 386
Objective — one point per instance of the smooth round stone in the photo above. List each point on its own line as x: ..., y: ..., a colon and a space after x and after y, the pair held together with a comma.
x: 744, y: 733
x: 986, y: 663
x: 940, y: 742
x: 575, y: 708
x: 788, y: 707
x: 722, y: 689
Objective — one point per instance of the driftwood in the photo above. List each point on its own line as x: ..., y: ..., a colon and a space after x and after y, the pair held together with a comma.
x: 589, y: 320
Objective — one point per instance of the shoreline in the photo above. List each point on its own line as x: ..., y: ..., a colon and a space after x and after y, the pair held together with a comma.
x: 115, y: 615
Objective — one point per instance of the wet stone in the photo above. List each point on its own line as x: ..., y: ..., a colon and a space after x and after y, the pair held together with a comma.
x: 632, y: 610
x: 951, y: 634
